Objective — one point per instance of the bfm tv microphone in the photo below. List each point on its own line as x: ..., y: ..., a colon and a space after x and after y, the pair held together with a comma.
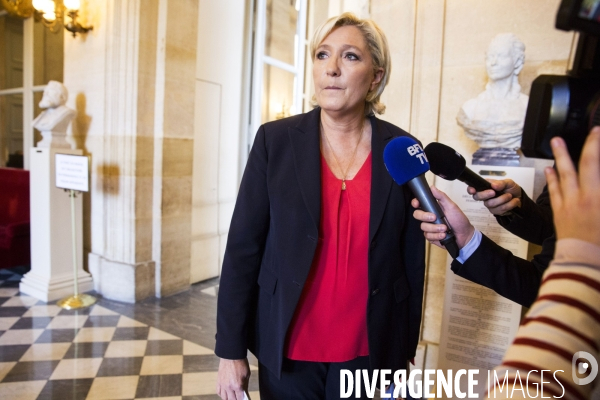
x: 407, y: 163
x: 447, y: 163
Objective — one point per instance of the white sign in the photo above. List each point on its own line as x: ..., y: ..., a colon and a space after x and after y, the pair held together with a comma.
x: 72, y: 172
x: 478, y: 324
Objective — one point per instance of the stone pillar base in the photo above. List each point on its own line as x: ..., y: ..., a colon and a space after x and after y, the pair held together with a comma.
x: 122, y: 282
x: 49, y: 289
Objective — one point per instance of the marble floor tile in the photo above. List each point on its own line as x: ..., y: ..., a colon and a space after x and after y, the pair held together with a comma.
x: 157, y: 334
x: 21, y: 301
x: 8, y: 292
x: 5, y: 367
x: 57, y: 335
x: 200, y: 363
x: 49, y: 310
x: 66, y: 389
x: 20, y: 336
x: 99, y: 310
x: 7, y: 322
x: 120, y: 366
x: 45, y: 351
x: 87, y: 350
x: 13, y: 352
x: 21, y: 390
x: 12, y: 311
x: 132, y: 333
x: 126, y: 322
x: 126, y: 348
x: 199, y: 383
x: 31, y: 371
x: 101, y: 321
x: 32, y: 323
x: 77, y: 368
x: 95, y: 335
x: 190, y: 348
x: 162, y: 365
x: 159, y: 386
x: 114, y: 387
x: 164, y: 347
x: 67, y: 321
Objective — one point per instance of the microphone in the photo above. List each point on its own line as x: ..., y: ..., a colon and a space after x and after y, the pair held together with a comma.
x: 407, y: 163
x: 447, y: 163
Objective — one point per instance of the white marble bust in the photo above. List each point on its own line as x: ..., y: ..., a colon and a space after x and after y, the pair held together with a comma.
x: 494, y: 119
x: 54, y: 121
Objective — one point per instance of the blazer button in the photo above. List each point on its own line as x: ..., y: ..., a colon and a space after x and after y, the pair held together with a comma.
x: 374, y: 292
x: 372, y: 245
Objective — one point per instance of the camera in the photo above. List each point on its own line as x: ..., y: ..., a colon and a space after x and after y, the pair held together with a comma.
x: 567, y: 105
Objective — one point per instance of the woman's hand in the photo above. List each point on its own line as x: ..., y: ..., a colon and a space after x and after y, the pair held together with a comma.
x: 508, y: 200
x: 463, y: 230
x: 232, y: 380
x: 575, y: 198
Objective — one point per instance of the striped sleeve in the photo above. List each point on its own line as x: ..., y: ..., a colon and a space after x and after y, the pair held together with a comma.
x: 564, y: 320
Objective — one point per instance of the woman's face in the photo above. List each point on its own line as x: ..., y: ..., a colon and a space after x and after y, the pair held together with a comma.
x: 499, y: 60
x: 343, y: 71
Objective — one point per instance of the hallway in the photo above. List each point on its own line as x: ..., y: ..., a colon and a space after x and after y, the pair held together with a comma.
x: 158, y: 348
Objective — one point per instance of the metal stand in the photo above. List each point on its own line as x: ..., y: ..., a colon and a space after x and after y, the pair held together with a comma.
x: 77, y: 300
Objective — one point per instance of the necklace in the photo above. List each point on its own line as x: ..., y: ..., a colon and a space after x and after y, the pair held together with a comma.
x: 344, y: 173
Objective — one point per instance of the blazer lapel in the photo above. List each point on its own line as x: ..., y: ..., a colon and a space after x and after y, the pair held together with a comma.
x: 381, y: 181
x: 307, y: 162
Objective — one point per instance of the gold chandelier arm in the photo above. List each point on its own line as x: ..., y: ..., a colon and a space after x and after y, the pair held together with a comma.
x: 18, y: 8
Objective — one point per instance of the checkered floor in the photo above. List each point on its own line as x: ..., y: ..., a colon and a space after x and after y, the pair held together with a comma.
x: 50, y: 353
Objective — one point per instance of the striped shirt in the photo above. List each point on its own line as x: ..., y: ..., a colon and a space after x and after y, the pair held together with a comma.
x: 564, y: 320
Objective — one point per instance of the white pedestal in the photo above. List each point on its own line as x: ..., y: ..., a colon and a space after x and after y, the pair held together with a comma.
x: 51, y: 275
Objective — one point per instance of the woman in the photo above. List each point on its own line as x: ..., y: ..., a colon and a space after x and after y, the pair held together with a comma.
x: 324, y: 264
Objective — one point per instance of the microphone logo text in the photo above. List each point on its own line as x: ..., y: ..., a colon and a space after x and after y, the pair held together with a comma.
x: 416, y: 150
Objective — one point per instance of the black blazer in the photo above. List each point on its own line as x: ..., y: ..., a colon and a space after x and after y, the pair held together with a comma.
x: 273, y: 238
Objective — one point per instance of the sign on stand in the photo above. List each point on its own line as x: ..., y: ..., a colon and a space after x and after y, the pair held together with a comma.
x: 72, y: 172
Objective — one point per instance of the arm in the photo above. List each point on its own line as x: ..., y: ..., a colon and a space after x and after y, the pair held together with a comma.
x: 241, y: 264
x: 490, y: 265
x: 564, y: 319
x: 500, y: 270
x: 535, y: 227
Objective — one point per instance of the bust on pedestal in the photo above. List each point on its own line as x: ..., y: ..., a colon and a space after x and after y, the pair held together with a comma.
x: 53, y: 122
x: 51, y: 276
x: 494, y: 119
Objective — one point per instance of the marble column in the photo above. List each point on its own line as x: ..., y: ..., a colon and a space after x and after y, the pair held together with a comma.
x: 134, y: 75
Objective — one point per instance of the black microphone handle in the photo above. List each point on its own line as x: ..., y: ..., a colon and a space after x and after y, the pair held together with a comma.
x: 422, y: 192
x: 474, y: 180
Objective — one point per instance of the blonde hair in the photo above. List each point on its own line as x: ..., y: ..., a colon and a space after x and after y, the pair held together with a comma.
x: 378, y: 47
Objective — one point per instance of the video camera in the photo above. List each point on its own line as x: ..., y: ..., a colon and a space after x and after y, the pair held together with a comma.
x: 567, y: 105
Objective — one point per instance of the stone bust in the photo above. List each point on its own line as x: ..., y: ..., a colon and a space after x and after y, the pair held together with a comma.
x: 54, y: 121
x: 494, y: 119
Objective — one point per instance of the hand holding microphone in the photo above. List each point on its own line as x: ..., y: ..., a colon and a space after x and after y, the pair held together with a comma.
x: 508, y: 201
x: 461, y: 226
x: 407, y: 163
x: 447, y: 163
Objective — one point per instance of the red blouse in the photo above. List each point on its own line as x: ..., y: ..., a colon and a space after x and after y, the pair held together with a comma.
x: 330, y: 322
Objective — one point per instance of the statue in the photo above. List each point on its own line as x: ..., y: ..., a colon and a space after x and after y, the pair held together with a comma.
x: 54, y: 121
x: 494, y: 119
